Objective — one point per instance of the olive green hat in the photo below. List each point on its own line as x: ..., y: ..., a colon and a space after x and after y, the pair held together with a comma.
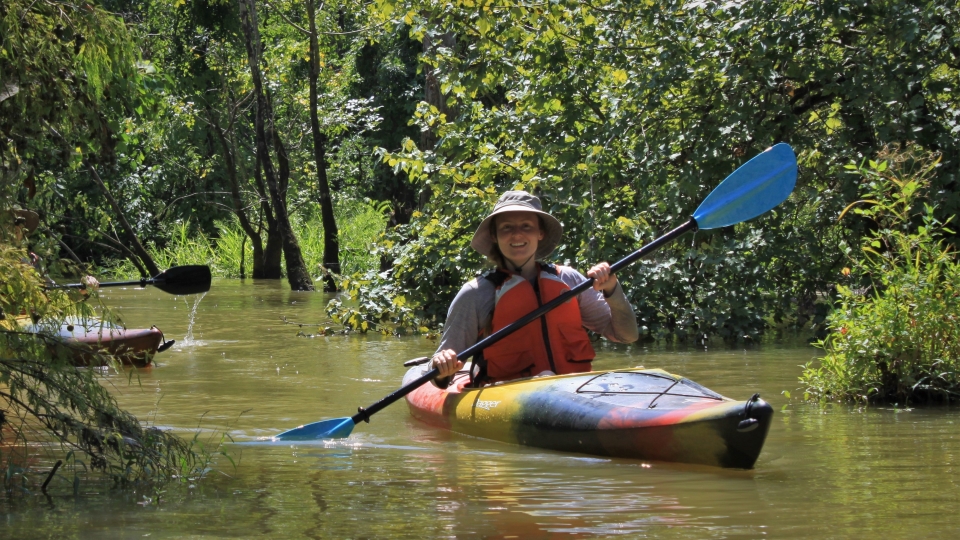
x: 26, y: 219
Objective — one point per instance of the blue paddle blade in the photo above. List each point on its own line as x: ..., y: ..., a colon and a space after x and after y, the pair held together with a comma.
x: 337, y: 428
x: 758, y: 186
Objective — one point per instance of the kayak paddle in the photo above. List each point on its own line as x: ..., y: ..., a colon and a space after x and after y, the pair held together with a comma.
x: 755, y: 188
x: 190, y: 279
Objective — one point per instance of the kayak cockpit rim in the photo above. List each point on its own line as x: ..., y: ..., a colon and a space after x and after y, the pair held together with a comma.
x: 705, y: 393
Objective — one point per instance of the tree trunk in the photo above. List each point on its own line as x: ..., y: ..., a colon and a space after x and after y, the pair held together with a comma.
x: 238, y: 207
x: 243, y: 260
x: 271, y: 255
x: 433, y: 96
x: 297, y: 273
x: 331, y: 242
x: 431, y: 88
x: 128, y: 231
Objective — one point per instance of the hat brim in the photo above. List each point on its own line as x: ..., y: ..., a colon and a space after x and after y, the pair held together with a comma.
x: 30, y: 219
x: 483, y: 242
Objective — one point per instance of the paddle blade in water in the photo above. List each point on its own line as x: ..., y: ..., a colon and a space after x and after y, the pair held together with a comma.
x: 758, y: 186
x: 191, y: 279
x: 338, y: 428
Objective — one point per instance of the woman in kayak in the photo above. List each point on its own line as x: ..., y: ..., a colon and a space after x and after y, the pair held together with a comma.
x: 26, y: 222
x: 517, y: 236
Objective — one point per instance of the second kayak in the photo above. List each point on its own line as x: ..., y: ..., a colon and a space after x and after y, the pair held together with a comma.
x: 87, y: 341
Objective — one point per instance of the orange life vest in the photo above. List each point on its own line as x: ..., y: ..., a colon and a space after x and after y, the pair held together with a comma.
x: 556, y: 341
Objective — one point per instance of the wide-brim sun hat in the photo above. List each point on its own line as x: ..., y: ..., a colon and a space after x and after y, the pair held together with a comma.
x: 26, y: 219
x: 519, y: 201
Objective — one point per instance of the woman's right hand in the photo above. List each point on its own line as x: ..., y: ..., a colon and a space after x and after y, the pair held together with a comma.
x: 90, y: 283
x: 446, y: 361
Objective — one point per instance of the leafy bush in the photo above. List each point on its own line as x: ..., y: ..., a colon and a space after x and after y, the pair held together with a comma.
x: 895, y: 334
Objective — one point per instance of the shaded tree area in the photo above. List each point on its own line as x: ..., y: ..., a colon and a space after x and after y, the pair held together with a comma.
x: 388, y: 74
x: 189, y: 154
x: 67, y: 72
x: 69, y: 76
x: 277, y: 176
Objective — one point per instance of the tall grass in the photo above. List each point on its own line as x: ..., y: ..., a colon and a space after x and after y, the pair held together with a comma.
x: 359, y: 223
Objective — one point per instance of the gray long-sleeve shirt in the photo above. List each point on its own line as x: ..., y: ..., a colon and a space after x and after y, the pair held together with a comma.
x: 472, y: 310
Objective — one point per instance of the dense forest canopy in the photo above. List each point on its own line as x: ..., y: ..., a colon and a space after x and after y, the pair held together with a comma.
x: 622, y: 116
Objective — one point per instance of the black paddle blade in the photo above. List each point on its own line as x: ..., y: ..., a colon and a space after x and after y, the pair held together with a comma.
x: 190, y: 279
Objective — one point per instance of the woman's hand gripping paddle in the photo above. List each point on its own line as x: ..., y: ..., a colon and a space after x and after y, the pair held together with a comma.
x: 755, y: 188
x: 191, y: 279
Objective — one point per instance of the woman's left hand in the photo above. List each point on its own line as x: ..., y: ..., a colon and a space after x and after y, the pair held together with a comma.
x: 603, y: 279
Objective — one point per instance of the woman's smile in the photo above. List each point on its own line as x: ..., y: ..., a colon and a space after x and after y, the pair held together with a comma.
x: 518, y: 235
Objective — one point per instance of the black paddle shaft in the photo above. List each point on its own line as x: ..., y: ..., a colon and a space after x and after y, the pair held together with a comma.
x: 188, y: 279
x: 141, y: 282
x: 364, y: 414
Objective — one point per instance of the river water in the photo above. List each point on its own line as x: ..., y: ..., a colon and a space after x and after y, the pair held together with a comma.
x: 239, y: 369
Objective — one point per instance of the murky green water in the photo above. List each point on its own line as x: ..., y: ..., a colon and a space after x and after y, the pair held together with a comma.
x: 837, y: 472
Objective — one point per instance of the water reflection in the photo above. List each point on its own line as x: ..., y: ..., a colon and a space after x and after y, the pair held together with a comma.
x: 831, y: 472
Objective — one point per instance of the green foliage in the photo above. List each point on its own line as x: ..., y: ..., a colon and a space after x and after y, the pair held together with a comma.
x: 66, y: 70
x: 387, y: 67
x: 637, y: 110
x: 70, y: 82
x: 370, y: 302
x: 79, y: 88
x: 898, y: 339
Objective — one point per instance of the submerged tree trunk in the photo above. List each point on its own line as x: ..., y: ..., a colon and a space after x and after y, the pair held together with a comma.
x: 331, y: 242
x: 272, y: 254
x: 276, y: 179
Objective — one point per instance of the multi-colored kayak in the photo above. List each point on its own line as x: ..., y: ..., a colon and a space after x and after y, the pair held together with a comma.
x: 633, y: 413
x: 86, y: 342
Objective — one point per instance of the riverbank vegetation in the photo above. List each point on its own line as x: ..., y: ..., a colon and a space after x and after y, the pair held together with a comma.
x: 358, y: 146
x: 623, y: 118
x: 895, y: 334
x: 45, y: 401
x: 67, y: 74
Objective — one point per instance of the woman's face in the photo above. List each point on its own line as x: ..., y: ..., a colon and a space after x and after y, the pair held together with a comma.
x: 518, y: 234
